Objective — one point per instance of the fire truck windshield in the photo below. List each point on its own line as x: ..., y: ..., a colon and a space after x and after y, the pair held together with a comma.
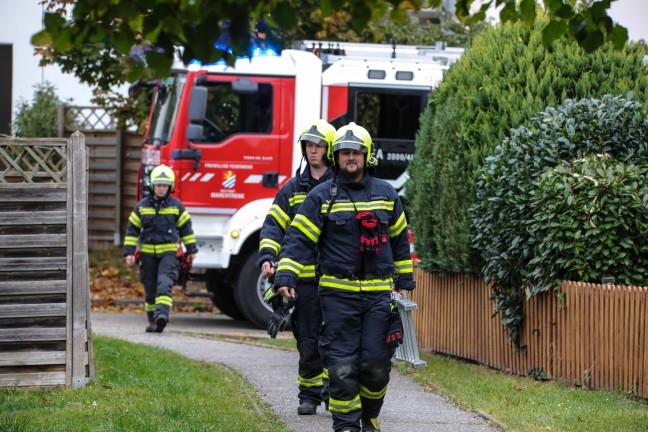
x: 165, y: 109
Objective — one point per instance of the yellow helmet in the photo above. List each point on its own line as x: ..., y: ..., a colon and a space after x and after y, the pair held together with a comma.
x: 162, y: 174
x: 354, y: 137
x: 320, y: 133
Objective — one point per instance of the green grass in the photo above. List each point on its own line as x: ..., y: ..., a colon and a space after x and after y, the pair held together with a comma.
x: 140, y: 388
x: 282, y: 343
x: 523, y: 404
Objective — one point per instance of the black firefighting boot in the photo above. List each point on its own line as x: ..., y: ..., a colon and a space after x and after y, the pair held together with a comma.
x: 151, y: 327
x: 370, y: 425
x: 160, y: 323
x: 307, y: 407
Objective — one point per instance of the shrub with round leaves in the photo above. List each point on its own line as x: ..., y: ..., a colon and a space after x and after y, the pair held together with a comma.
x: 589, y: 221
x: 548, y: 208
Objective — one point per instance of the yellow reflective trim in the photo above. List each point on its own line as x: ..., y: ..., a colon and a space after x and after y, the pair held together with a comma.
x: 325, y: 374
x: 290, y: 265
x: 135, y: 220
x: 356, y: 285
x: 159, y: 248
x: 302, y: 223
x: 164, y: 300
x: 345, y: 406
x: 404, y: 266
x: 147, y: 211
x: 280, y: 216
x: 366, y: 393
x: 399, y: 226
x: 311, y: 382
x: 307, y: 272
x: 149, y: 307
x: 188, y: 239
x: 169, y: 210
x: 270, y: 244
x: 297, y: 199
x: 359, y: 206
x: 130, y: 241
x: 184, y: 217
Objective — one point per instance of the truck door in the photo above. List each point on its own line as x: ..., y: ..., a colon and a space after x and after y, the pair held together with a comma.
x: 391, y: 116
x: 237, y: 142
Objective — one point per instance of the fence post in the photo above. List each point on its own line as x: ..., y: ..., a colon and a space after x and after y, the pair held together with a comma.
x: 77, y: 268
x: 60, y: 113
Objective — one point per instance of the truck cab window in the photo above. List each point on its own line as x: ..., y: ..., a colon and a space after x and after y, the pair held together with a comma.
x: 165, y: 109
x: 230, y: 113
x: 389, y: 115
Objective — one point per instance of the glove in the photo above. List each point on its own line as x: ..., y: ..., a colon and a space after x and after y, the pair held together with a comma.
x: 395, y: 331
x: 280, y: 316
x: 369, y: 242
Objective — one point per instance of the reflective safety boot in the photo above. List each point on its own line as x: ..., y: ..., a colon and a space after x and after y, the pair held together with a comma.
x: 307, y: 407
x: 370, y: 425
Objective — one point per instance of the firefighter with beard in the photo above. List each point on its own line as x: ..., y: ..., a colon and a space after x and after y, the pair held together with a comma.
x: 357, y: 225
x: 157, y: 225
x: 306, y: 318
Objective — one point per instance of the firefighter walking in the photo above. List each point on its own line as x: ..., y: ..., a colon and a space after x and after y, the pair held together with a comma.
x: 357, y: 223
x: 306, y: 318
x: 157, y: 225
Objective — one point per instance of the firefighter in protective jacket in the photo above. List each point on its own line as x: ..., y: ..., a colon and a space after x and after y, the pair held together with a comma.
x: 157, y: 225
x: 306, y: 318
x: 358, y: 223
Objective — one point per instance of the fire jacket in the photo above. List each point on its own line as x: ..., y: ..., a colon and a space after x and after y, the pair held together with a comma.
x: 333, y: 226
x: 157, y: 226
x: 284, y: 208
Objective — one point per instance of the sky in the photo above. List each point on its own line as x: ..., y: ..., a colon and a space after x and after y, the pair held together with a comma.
x: 22, y: 18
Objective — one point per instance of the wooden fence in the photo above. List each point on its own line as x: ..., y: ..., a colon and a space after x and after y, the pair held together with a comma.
x: 44, y: 288
x: 114, y: 158
x: 595, y: 338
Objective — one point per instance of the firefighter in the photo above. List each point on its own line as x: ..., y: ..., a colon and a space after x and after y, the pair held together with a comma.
x: 157, y: 225
x: 306, y: 318
x: 358, y: 225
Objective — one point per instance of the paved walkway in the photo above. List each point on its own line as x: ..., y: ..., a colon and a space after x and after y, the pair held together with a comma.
x: 407, y: 407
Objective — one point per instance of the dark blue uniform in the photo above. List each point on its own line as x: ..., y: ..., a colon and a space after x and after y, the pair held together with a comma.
x: 158, y: 226
x: 355, y: 287
x: 307, y: 315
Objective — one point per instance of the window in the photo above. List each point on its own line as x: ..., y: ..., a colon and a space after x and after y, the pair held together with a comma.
x: 229, y: 112
x: 389, y: 115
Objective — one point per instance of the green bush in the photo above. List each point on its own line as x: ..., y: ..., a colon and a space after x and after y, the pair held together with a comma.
x: 565, y: 197
x: 40, y: 118
x: 507, y: 77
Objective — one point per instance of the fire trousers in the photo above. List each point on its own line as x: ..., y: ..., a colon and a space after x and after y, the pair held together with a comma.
x: 353, y: 348
x: 306, y: 320
x: 158, y: 273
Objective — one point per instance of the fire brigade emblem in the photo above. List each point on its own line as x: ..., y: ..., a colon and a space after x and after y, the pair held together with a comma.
x: 229, y: 180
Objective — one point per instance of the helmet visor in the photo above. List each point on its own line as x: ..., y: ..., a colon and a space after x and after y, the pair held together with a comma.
x: 349, y: 145
x: 314, y: 139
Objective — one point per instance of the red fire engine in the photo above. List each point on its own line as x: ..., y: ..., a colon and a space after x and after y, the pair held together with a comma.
x: 229, y: 133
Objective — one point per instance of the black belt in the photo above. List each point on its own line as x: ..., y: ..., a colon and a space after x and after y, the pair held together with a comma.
x: 350, y: 276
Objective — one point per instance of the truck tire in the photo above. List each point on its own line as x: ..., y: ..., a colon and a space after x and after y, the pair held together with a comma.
x: 248, y: 292
x: 223, y: 297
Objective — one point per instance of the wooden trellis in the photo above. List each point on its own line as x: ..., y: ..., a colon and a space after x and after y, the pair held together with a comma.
x: 44, y: 289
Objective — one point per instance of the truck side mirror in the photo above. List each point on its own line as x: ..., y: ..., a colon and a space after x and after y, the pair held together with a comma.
x: 197, y: 110
x: 245, y: 86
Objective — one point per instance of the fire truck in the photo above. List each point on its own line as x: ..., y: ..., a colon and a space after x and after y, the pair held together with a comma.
x: 230, y: 134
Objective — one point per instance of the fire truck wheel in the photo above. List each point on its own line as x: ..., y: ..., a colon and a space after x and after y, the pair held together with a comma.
x: 248, y: 292
x: 223, y: 297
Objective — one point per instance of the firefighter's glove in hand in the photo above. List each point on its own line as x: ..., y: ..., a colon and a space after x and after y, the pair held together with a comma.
x: 369, y: 236
x: 279, y: 319
x: 395, y: 331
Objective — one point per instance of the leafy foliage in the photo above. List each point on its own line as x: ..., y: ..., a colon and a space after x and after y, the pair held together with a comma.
x: 565, y: 197
x: 40, y: 117
x: 504, y: 79
x: 570, y: 214
x: 195, y: 25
